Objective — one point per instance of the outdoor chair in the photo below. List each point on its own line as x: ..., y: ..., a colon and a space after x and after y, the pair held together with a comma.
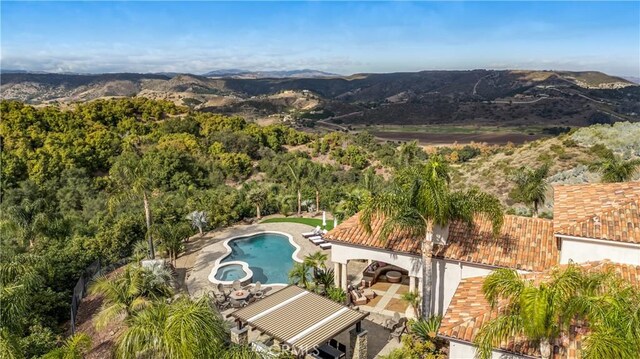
x: 358, y: 298
x: 222, y: 303
x: 237, y: 303
x: 399, y: 330
x: 312, y: 233
x: 257, y: 291
x: 236, y: 285
x: 392, y: 323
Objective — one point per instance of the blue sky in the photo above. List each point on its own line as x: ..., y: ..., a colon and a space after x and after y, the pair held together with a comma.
x: 340, y: 37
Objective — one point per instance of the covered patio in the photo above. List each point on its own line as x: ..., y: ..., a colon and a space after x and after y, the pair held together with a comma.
x: 303, y: 323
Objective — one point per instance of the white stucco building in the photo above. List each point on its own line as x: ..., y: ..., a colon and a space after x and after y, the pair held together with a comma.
x: 594, y: 224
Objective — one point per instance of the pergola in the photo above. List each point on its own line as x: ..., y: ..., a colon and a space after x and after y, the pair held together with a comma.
x: 301, y: 321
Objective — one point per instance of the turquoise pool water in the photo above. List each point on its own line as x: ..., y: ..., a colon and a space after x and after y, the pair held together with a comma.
x: 267, y: 254
x: 230, y: 272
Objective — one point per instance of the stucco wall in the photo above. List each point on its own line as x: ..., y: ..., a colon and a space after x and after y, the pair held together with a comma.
x: 463, y: 350
x: 340, y: 254
x: 446, y: 277
x: 581, y: 251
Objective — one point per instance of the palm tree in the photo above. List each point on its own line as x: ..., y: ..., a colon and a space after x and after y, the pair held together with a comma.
x: 133, y: 178
x: 535, y: 311
x: 258, y: 195
x: 297, y: 176
x: 316, y: 261
x: 182, y: 329
x: 198, y: 220
x: 611, y: 307
x: 614, y: 169
x: 128, y: 292
x: 74, y: 347
x: 531, y: 187
x: 299, y: 274
x: 419, y: 198
x: 26, y: 220
x: 172, y: 237
x: 10, y: 345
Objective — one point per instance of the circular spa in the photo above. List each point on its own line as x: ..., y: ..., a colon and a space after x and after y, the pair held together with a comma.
x: 265, y: 257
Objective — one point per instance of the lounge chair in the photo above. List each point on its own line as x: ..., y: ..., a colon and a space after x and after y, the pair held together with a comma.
x: 312, y: 233
x: 317, y: 240
x: 358, y: 298
x: 325, y: 245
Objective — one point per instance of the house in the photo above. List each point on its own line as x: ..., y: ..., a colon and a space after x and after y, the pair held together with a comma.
x: 592, y: 223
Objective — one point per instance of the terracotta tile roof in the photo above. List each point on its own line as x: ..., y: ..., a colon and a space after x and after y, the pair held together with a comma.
x: 523, y: 243
x: 352, y: 232
x: 469, y: 310
x: 620, y: 224
x: 576, y: 205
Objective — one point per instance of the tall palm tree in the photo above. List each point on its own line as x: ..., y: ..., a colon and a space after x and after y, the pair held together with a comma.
x: 531, y: 187
x: 128, y: 292
x: 182, y: 329
x: 299, y: 274
x: 74, y: 347
x: 614, y: 169
x: 133, y: 177
x: 297, y: 180
x: 419, y: 198
x: 535, y: 311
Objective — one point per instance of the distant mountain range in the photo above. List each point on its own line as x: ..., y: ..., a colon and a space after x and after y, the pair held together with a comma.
x: 237, y: 73
x: 510, y: 98
x: 222, y: 73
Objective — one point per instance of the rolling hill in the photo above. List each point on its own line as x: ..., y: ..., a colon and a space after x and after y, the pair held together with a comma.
x: 478, y: 97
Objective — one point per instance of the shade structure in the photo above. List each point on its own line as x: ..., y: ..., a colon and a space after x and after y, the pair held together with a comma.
x: 299, y: 318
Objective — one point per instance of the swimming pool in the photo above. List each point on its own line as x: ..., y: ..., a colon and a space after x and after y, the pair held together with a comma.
x: 269, y: 256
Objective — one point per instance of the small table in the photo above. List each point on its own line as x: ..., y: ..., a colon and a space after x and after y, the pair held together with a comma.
x: 239, y: 294
x: 394, y: 276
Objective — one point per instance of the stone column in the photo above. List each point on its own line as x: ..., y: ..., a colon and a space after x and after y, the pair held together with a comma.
x: 412, y: 284
x: 343, y: 276
x: 336, y: 274
x: 357, y: 344
x: 240, y: 336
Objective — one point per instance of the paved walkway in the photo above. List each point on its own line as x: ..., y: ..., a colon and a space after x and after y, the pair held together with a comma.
x: 197, y: 277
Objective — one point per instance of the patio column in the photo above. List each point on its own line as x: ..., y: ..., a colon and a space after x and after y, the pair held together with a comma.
x: 336, y: 274
x: 343, y: 276
x: 357, y: 343
x: 412, y: 284
x: 240, y: 336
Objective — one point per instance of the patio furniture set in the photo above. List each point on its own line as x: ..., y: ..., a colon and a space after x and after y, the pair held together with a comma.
x: 397, y: 325
x: 316, y: 237
x: 237, y: 296
x: 376, y: 269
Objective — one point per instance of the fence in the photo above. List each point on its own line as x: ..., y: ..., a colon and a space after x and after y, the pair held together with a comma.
x: 79, y: 290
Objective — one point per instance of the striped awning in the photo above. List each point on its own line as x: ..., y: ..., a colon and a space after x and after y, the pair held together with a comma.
x: 299, y: 318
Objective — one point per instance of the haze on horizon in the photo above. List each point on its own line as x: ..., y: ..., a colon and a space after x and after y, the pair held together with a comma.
x: 338, y: 37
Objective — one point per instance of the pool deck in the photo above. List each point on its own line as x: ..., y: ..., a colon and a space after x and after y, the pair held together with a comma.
x: 197, y: 281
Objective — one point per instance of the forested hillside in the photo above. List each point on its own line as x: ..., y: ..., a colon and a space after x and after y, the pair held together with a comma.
x: 75, y: 184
